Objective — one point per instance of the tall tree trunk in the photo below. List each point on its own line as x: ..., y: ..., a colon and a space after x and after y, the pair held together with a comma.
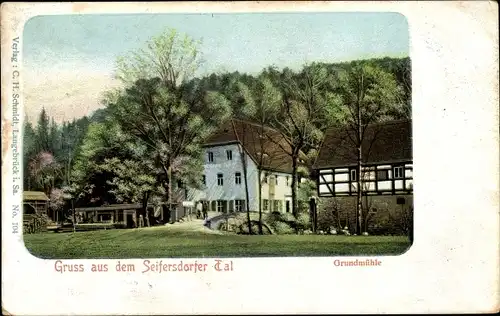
x: 295, y: 207
x: 144, y: 209
x: 247, y: 195
x: 260, y: 200
x: 166, y: 207
x: 74, y: 214
x: 261, y: 161
x: 169, y: 191
x: 359, y: 190
x: 295, y: 204
x: 245, y: 176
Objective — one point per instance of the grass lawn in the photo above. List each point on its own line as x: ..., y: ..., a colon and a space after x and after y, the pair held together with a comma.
x: 190, y: 240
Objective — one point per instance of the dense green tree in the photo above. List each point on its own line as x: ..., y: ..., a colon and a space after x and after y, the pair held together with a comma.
x: 168, y: 119
x: 364, y: 94
x: 260, y: 103
x: 45, y: 171
x: 54, y: 138
x: 29, y: 151
x: 90, y: 181
x: 42, y: 132
x: 302, y: 114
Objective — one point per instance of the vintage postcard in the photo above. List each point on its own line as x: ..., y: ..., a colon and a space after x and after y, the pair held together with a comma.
x: 250, y: 158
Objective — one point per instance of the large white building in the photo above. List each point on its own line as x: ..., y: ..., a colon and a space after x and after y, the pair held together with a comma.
x: 225, y: 152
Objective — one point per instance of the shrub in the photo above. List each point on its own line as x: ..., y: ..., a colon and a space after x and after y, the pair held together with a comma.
x: 304, y: 219
x: 243, y: 228
x: 35, y: 223
x: 288, y: 217
x: 327, y: 219
x: 282, y: 228
x: 281, y: 223
x: 272, y: 217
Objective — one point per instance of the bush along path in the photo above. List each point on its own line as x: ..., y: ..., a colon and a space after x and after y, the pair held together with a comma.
x: 236, y: 223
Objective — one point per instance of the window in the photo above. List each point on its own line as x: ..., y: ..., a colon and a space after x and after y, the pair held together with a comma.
x: 265, y: 205
x: 271, y: 179
x: 220, y: 206
x: 265, y: 177
x: 287, y: 180
x: 220, y: 179
x: 382, y: 174
x: 229, y: 154
x: 353, y: 175
x: 276, y: 179
x: 238, y: 205
x: 237, y: 178
x: 277, y: 206
x: 210, y: 156
x: 398, y: 172
x: 204, y: 179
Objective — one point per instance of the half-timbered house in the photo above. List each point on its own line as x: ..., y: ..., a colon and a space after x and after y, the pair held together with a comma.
x: 387, y: 161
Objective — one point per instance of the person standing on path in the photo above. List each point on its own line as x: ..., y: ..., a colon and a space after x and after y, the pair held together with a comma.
x: 205, y: 213
x: 199, y: 208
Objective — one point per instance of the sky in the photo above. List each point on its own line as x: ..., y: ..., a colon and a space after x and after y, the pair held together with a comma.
x: 69, y: 59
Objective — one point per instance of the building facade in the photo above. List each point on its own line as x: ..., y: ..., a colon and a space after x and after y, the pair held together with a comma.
x: 387, y: 163
x: 238, y: 144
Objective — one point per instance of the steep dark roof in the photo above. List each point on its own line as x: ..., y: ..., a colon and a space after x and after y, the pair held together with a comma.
x: 255, y: 139
x: 383, y: 143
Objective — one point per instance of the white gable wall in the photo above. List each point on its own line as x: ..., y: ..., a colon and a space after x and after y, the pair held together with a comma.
x: 228, y: 168
x: 230, y: 190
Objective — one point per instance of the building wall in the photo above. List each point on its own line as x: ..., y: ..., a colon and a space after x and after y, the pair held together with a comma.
x: 229, y: 190
x: 377, y: 179
x: 281, y: 191
x: 386, y: 216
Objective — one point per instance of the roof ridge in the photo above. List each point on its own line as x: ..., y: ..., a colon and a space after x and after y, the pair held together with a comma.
x: 256, y: 124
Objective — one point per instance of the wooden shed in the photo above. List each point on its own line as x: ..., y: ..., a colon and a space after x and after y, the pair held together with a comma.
x: 35, y: 202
